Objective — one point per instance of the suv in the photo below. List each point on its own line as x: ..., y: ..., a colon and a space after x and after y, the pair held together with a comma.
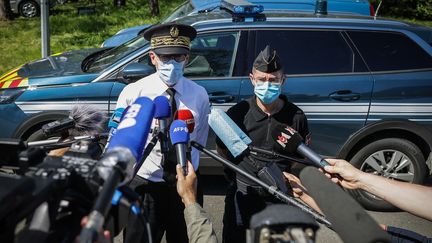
x: 365, y: 84
x: 191, y: 7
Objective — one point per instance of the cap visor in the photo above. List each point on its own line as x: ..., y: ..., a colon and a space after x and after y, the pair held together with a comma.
x: 171, y: 51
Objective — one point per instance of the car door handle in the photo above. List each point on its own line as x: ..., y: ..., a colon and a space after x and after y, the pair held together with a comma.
x: 220, y: 98
x: 344, y: 95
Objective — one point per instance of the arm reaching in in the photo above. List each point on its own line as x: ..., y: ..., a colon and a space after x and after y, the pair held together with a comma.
x: 199, y: 227
x: 409, y: 197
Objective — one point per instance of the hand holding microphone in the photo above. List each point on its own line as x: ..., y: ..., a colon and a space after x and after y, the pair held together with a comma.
x: 187, y: 184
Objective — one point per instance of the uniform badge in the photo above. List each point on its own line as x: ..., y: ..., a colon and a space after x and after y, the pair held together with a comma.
x: 174, y: 32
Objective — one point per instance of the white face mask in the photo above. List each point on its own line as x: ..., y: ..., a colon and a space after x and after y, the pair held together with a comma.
x: 170, y: 72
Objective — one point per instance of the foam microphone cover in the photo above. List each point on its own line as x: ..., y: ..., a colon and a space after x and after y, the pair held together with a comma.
x: 286, y: 137
x: 179, y: 132
x: 134, y: 128
x: 187, y: 117
x: 162, y: 107
x: 116, y: 118
x: 231, y: 135
x: 351, y: 222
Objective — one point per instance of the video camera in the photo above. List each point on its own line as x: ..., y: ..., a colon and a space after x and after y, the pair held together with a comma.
x: 68, y: 184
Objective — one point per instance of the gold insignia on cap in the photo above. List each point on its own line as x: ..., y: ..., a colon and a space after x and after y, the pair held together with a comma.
x: 174, y: 32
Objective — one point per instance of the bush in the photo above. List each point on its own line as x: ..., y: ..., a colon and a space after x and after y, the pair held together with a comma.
x: 418, y: 9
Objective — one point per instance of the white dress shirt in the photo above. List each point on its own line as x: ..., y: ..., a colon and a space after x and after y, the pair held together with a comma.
x: 189, y: 95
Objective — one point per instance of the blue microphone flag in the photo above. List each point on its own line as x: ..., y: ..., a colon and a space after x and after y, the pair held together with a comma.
x: 231, y: 135
x: 179, y: 132
x: 162, y: 107
x: 116, y: 118
x: 134, y: 128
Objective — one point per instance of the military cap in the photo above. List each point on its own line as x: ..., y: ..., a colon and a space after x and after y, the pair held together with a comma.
x: 170, y: 38
x: 267, y: 61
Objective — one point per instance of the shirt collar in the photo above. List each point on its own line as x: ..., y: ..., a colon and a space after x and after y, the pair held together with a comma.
x: 259, y: 114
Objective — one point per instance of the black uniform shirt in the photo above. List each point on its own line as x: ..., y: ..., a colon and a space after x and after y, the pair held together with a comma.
x: 257, y: 125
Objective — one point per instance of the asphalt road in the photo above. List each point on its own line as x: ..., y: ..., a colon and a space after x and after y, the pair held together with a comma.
x: 214, y: 189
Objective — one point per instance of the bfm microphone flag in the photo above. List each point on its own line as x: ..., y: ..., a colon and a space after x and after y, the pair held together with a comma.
x: 133, y: 130
x: 125, y: 149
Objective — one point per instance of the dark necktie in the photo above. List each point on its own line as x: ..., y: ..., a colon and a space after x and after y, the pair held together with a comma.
x: 170, y: 161
x: 173, y: 104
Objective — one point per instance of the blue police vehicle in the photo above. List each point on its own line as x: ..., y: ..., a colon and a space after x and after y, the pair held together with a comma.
x: 191, y: 7
x: 365, y: 84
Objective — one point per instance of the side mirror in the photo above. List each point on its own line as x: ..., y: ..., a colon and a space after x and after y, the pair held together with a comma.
x: 135, y: 71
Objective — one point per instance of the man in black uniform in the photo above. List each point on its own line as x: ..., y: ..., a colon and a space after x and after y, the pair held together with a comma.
x: 257, y: 116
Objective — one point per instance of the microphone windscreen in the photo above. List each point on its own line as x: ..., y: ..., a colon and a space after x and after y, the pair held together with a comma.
x: 179, y: 132
x: 134, y: 128
x: 286, y: 137
x: 231, y: 135
x: 115, y: 118
x: 162, y: 107
x: 348, y: 218
x: 88, y: 119
x: 187, y: 117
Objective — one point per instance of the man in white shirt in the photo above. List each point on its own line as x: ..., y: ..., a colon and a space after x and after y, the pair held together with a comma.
x: 155, y: 180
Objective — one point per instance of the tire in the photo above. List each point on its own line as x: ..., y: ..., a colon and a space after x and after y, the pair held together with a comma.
x: 37, y: 136
x: 29, y: 9
x: 408, y: 166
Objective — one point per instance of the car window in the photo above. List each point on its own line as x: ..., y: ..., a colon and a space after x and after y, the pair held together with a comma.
x: 387, y: 51
x: 212, y: 55
x: 311, y: 51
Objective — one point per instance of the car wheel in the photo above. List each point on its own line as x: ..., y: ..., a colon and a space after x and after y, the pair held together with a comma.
x: 393, y: 158
x: 37, y: 136
x: 29, y: 9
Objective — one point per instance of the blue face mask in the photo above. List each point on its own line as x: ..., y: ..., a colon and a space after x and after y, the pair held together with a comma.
x: 170, y: 72
x: 267, y: 92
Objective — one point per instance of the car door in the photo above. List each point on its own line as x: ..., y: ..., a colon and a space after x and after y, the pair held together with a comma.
x: 326, y: 78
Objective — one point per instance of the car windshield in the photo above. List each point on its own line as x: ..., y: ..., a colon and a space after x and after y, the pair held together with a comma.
x: 180, y: 11
x: 113, y: 55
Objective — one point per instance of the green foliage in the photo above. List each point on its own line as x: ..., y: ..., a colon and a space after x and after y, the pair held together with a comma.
x: 20, y: 38
x: 418, y: 9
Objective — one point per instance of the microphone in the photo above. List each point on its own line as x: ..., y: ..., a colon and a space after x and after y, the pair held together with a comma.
x: 187, y: 117
x: 113, y: 123
x: 162, y: 114
x: 291, y: 141
x: 348, y: 218
x: 124, y: 150
x: 82, y: 120
x: 235, y: 139
x: 231, y: 135
x: 272, y: 190
x: 179, y: 135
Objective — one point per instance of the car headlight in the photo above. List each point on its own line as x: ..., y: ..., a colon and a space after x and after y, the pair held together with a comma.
x: 10, y: 95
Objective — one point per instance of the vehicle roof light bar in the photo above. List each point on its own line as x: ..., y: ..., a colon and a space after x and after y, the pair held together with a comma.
x: 243, y: 11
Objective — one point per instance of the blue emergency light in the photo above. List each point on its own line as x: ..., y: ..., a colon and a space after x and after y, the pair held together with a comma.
x: 242, y: 7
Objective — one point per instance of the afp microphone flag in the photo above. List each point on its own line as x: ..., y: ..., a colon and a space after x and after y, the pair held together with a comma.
x: 134, y: 128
